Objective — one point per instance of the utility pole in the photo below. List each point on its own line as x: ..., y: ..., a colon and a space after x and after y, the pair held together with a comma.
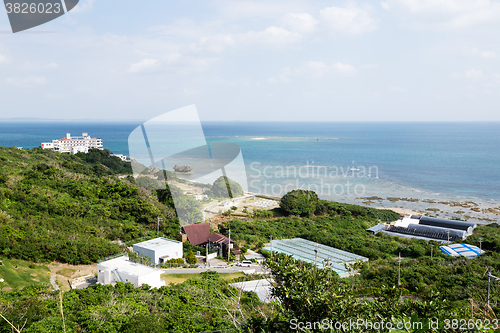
x: 229, y: 246
x: 271, y: 237
x: 399, y: 269
x: 480, y: 243
x: 316, y: 256
x: 432, y: 247
x: 206, y: 260
x: 490, y: 276
x: 158, y: 227
x: 489, y: 282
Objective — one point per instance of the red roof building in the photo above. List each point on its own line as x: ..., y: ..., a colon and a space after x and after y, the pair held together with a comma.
x: 198, y: 233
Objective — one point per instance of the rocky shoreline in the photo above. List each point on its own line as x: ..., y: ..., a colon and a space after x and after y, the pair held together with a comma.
x: 481, y: 212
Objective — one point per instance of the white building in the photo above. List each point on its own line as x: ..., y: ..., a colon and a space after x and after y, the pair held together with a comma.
x: 122, y: 157
x: 159, y: 250
x: 122, y: 270
x: 200, y: 197
x: 73, y: 144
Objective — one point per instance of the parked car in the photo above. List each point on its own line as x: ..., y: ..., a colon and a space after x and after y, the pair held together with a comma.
x: 244, y: 263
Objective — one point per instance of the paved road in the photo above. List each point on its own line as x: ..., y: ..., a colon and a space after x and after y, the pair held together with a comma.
x: 231, y: 269
x: 53, y: 282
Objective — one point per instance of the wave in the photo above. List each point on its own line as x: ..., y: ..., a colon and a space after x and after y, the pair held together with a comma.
x: 290, y: 138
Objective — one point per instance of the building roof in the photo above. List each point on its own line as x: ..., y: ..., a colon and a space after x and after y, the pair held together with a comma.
x: 122, y: 264
x: 466, y: 250
x: 377, y: 228
x: 197, y: 233
x: 219, y: 239
x: 156, y: 243
x: 236, y: 252
x: 261, y: 287
x: 302, y: 249
x: 256, y: 256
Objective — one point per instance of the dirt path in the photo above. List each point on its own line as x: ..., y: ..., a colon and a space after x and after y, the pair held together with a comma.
x: 61, y: 273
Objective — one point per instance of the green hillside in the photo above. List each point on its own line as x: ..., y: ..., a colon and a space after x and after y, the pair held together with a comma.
x: 73, y: 208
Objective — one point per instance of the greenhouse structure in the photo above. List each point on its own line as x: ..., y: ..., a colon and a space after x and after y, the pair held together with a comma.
x: 321, y: 255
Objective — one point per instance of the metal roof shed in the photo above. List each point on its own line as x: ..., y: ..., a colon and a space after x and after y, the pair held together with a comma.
x: 377, y: 228
x: 452, y: 224
x: 326, y: 256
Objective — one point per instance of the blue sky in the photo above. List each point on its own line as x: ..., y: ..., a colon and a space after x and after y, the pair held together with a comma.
x: 392, y: 60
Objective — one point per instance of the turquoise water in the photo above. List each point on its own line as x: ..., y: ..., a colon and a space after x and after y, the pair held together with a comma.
x: 457, y: 159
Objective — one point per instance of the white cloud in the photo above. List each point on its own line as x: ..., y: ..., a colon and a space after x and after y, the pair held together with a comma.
x: 474, y: 74
x: 272, y: 36
x: 351, y: 19
x: 281, y: 78
x: 143, y: 65
x: 343, y: 68
x: 318, y: 69
x: 447, y: 14
x: 27, y: 81
x: 300, y: 22
x: 3, y: 59
x: 482, y: 54
x: 243, y: 9
x: 216, y: 43
x: 53, y: 65
x: 83, y: 6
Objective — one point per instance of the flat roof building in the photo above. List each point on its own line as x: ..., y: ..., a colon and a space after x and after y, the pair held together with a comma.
x: 464, y: 250
x: 159, y: 250
x: 122, y: 270
x: 73, y: 144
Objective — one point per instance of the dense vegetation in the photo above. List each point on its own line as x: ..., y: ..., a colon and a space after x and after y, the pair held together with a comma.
x: 304, y: 295
x: 197, y: 305
x: 299, y: 202
x: 343, y: 227
x: 72, y: 208
x: 225, y: 187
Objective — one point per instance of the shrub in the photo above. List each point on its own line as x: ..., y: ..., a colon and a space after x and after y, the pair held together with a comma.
x: 299, y: 202
x: 191, y: 258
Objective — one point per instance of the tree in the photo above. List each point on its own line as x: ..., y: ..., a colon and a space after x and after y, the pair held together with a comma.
x: 188, y: 208
x: 299, y: 202
x: 224, y: 186
x: 147, y: 183
x: 191, y: 258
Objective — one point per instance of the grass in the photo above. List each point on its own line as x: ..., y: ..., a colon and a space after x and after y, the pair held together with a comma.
x: 63, y: 283
x: 179, y: 278
x: 18, y: 274
x: 67, y: 272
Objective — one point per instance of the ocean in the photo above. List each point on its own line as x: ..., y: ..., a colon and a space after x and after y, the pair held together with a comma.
x: 342, y: 161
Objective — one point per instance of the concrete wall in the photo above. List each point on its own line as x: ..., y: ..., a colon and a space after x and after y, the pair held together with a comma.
x: 145, y: 252
x: 172, y: 249
x: 152, y: 280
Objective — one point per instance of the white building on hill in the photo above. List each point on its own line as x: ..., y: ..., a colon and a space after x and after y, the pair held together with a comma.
x: 73, y: 144
x: 159, y: 250
x: 122, y: 270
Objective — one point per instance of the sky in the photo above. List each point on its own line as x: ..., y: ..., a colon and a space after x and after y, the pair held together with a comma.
x: 291, y: 60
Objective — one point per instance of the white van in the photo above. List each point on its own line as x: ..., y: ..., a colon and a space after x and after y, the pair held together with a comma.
x: 245, y: 263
